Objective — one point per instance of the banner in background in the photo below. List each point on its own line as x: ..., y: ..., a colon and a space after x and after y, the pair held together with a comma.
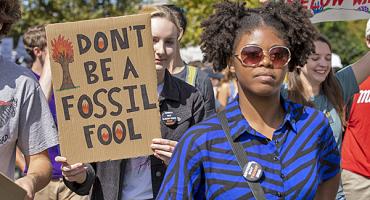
x: 337, y: 10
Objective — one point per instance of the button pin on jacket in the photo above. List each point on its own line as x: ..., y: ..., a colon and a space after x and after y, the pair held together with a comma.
x: 252, y: 171
x: 169, y: 118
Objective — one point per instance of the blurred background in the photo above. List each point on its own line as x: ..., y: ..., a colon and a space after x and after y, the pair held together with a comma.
x: 347, y: 38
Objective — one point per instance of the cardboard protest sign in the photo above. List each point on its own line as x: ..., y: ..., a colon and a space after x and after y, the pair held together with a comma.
x: 105, y: 87
x: 9, y: 190
x: 337, y: 10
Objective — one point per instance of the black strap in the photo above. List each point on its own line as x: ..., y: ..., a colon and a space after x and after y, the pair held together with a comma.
x: 241, y: 156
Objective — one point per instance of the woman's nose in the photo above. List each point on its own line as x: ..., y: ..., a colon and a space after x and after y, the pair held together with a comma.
x: 266, y: 61
x: 324, y: 62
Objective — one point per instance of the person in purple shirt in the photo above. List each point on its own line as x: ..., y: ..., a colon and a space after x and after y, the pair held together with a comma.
x: 35, y: 43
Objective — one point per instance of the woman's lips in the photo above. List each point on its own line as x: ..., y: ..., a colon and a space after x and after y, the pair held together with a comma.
x: 265, y: 77
x: 159, y: 61
x: 320, y: 71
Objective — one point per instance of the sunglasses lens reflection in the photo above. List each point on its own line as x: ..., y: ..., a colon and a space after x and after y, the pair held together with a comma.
x: 279, y: 56
x: 252, y: 55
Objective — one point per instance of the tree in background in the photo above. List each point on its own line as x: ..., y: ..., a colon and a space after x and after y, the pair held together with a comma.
x: 36, y: 12
x: 196, y: 11
x: 347, y: 39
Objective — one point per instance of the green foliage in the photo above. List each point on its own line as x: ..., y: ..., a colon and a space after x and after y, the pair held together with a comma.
x: 35, y: 12
x: 347, y: 39
x: 196, y: 12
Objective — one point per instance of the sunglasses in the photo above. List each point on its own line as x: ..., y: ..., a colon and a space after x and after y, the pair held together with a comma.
x: 252, y: 55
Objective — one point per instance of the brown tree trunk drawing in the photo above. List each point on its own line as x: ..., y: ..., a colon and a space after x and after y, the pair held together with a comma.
x: 67, y: 82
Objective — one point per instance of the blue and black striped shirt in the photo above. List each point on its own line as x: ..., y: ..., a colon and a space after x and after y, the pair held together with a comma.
x: 301, y: 155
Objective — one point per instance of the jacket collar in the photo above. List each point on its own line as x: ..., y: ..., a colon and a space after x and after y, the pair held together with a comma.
x: 170, y: 88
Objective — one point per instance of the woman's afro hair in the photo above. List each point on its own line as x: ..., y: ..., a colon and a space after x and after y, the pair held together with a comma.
x: 9, y: 13
x: 291, y: 21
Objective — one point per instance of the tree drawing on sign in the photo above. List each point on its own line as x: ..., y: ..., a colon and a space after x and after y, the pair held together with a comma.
x: 62, y: 53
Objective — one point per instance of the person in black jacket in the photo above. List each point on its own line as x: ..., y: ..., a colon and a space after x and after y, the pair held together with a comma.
x: 140, y: 178
x: 177, y: 67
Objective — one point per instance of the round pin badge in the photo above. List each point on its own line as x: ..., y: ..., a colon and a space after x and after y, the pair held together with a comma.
x: 252, y: 171
x: 169, y: 118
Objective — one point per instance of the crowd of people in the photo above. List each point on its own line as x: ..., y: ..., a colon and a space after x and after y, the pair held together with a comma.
x: 266, y: 116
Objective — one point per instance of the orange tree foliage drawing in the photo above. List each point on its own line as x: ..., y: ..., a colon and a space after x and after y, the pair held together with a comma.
x: 62, y: 53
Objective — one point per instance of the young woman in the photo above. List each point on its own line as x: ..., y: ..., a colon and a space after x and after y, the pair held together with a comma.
x: 290, y: 146
x: 316, y: 85
x: 177, y: 67
x: 140, y: 178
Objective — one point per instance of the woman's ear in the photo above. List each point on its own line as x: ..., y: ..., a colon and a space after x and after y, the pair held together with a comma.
x: 37, y: 51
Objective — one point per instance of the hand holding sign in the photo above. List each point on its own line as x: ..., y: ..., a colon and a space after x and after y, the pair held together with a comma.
x: 28, y: 185
x: 163, y: 149
x: 73, y: 173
